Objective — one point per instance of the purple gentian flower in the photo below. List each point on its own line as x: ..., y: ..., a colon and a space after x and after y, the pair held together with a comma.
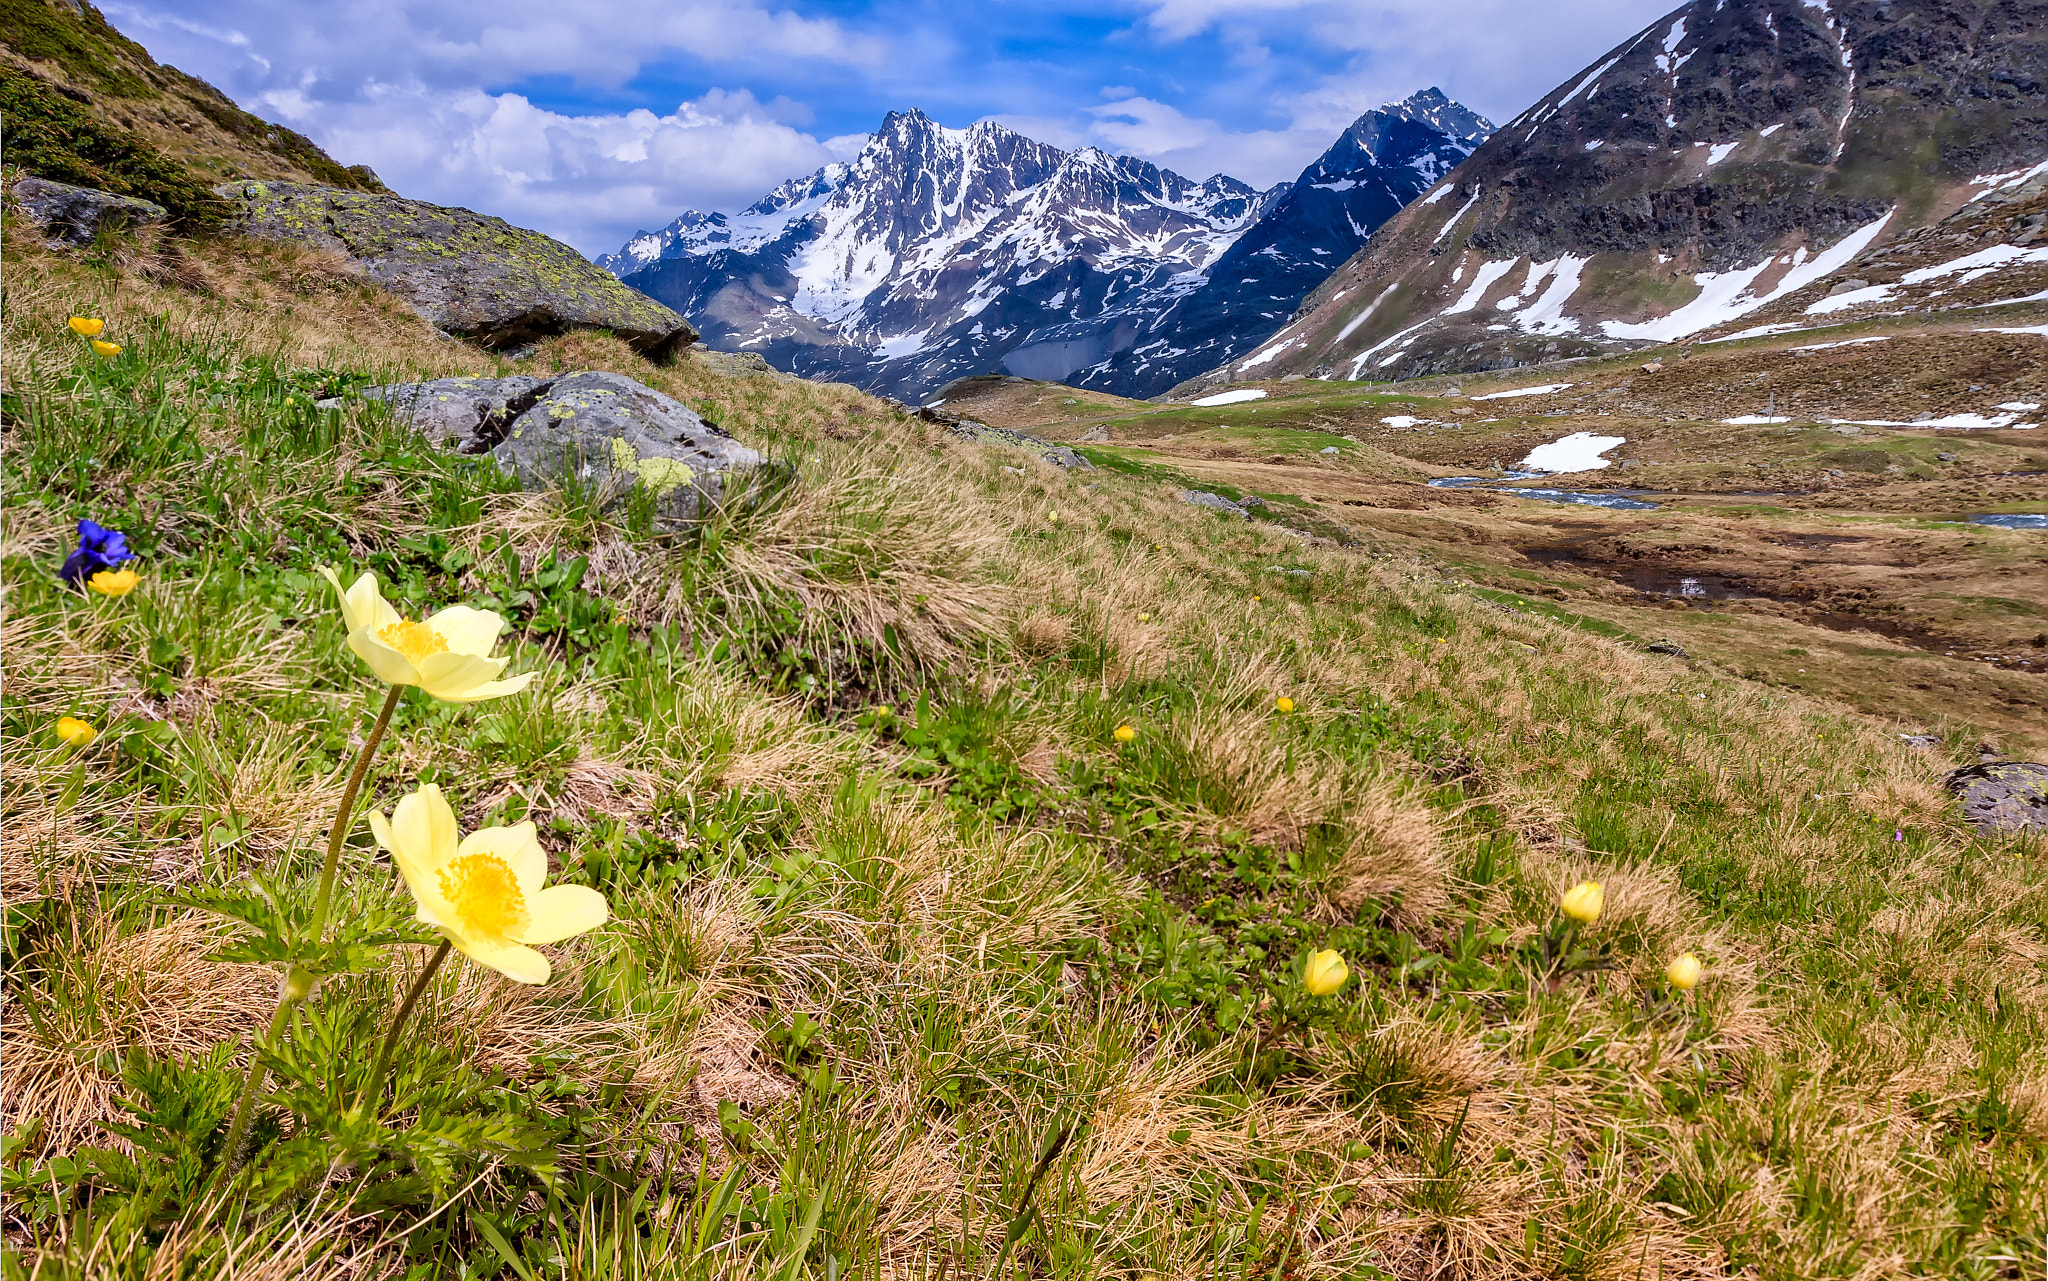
x: 98, y: 548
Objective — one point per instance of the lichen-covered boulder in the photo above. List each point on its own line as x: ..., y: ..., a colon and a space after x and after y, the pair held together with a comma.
x: 469, y: 274
x: 603, y: 433
x: 2003, y: 796
x: 74, y: 215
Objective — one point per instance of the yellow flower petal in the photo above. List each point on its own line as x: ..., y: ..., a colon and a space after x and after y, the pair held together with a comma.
x: 106, y: 348
x: 114, y: 582
x: 362, y: 605
x: 562, y: 910
x: 468, y: 631
x: 392, y: 667
x: 87, y: 326
x: 515, y: 961
x: 490, y: 689
x: 423, y: 826
x: 451, y: 676
x: 518, y: 846
x: 1325, y: 972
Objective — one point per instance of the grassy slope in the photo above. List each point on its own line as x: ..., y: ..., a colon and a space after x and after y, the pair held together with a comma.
x: 884, y: 960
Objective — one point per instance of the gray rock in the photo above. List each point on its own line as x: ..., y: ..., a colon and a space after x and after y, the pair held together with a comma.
x: 1945, y: 458
x: 1672, y: 648
x: 1094, y: 435
x: 2003, y: 796
x: 1924, y: 741
x: 1215, y: 502
x: 1330, y: 449
x: 601, y: 432
x: 74, y: 215
x: 982, y: 434
x: 468, y: 274
x: 1250, y: 501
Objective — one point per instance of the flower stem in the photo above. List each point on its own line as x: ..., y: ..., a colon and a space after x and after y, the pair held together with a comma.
x: 347, y: 810
x: 374, y: 1096
x: 252, y: 1083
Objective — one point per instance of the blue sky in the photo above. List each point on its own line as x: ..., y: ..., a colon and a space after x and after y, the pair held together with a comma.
x: 592, y: 121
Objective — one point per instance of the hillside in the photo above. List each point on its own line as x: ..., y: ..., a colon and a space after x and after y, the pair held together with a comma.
x: 939, y: 253
x: 966, y: 827
x: 1725, y: 159
x: 87, y: 105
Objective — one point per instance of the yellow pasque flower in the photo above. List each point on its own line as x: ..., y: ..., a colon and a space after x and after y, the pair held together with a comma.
x: 75, y: 732
x: 448, y: 655
x: 484, y: 892
x: 1283, y: 704
x: 87, y: 326
x: 1124, y: 734
x: 1053, y: 516
x: 114, y: 582
x: 1582, y: 902
x: 106, y: 348
x: 1684, y: 972
x: 1325, y: 973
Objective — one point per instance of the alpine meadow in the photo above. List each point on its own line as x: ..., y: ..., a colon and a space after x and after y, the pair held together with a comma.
x: 493, y: 786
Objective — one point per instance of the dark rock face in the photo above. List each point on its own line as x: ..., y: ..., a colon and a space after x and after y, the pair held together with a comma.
x: 2003, y: 796
x: 942, y: 253
x: 603, y: 432
x: 74, y: 215
x: 1722, y: 154
x: 480, y: 277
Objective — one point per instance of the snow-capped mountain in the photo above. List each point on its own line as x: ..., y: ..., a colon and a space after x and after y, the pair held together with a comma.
x: 1385, y: 159
x: 943, y: 252
x: 1730, y: 165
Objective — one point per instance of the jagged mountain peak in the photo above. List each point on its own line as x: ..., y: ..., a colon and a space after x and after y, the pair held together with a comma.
x: 1433, y: 107
x: 938, y: 252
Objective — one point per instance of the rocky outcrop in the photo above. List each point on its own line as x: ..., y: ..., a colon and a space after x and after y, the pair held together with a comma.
x: 74, y: 215
x: 981, y: 433
x: 2003, y: 796
x: 469, y: 274
x: 602, y: 433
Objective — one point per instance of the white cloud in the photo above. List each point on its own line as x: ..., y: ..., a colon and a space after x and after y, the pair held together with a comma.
x: 588, y: 180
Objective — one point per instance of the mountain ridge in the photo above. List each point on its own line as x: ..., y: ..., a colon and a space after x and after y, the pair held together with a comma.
x: 939, y: 253
x: 1721, y: 159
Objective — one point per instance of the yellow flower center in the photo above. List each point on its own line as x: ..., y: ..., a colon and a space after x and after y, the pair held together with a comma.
x: 485, y: 894
x: 414, y: 640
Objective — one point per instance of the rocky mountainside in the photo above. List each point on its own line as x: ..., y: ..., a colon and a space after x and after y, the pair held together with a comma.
x: 1728, y: 157
x: 939, y: 253
x: 86, y: 105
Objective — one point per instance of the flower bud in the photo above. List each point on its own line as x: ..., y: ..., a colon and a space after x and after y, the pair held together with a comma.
x: 1582, y: 902
x: 75, y: 732
x: 298, y: 984
x: 1325, y: 973
x: 1125, y: 734
x: 1684, y: 972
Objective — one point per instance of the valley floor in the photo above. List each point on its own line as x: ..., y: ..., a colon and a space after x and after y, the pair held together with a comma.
x: 967, y: 826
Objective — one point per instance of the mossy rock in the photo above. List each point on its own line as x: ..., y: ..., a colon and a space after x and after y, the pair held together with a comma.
x: 469, y: 274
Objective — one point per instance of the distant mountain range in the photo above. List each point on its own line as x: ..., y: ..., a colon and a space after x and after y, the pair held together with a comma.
x: 1729, y: 165
x: 940, y: 252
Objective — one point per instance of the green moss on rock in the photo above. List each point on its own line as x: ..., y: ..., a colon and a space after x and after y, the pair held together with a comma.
x: 468, y: 273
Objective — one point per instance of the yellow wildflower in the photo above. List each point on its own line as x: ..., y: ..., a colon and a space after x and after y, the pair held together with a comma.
x: 1144, y: 618
x: 75, y: 732
x: 447, y: 655
x: 1325, y: 973
x: 1283, y: 704
x: 1124, y: 734
x: 114, y: 582
x: 106, y: 348
x: 484, y: 892
x: 1684, y: 972
x: 87, y: 326
x: 1582, y: 902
